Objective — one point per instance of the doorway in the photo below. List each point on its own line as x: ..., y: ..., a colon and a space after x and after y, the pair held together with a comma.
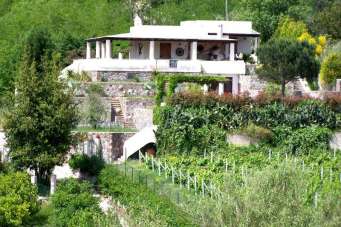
x: 165, y: 51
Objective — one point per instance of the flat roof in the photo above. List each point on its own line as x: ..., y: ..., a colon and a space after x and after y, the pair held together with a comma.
x: 188, y: 30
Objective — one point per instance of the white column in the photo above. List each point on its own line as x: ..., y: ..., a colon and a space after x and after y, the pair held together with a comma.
x: 232, y: 46
x: 53, y: 184
x: 98, y: 49
x: 120, y: 56
x: 256, y: 44
x: 221, y: 89
x: 108, y: 48
x: 102, y: 50
x: 194, y: 50
x: 235, y: 85
x: 205, y: 88
x: 88, y: 50
x: 152, y: 50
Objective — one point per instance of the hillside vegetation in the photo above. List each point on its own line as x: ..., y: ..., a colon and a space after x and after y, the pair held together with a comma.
x: 69, y: 23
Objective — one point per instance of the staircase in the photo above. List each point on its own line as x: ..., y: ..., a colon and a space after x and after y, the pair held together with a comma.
x: 117, y: 111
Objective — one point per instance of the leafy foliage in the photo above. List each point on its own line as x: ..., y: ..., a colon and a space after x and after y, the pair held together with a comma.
x: 73, y: 204
x: 147, y: 208
x: 330, y: 69
x: 18, y: 199
x: 38, y: 127
x: 91, y: 165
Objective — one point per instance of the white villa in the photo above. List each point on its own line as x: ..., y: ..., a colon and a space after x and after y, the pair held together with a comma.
x: 194, y: 47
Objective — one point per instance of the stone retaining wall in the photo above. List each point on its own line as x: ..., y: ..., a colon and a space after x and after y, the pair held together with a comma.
x: 120, y: 76
x: 109, y: 145
x: 120, y: 89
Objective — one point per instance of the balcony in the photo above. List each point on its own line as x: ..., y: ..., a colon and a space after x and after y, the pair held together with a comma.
x: 166, y: 66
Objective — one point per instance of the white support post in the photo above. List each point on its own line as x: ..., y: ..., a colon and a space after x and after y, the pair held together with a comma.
x: 102, y: 50
x: 88, y: 50
x: 53, y: 184
x: 108, y: 48
x: 34, y: 179
x: 98, y: 49
x: 152, y: 50
x: 205, y: 88
x: 194, y: 50
x: 221, y: 89
x: 235, y: 85
x: 232, y: 50
x: 338, y: 85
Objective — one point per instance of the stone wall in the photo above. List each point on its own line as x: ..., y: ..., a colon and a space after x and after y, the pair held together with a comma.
x: 252, y: 85
x: 120, y: 76
x: 120, y: 89
x: 108, y: 145
x: 138, y: 111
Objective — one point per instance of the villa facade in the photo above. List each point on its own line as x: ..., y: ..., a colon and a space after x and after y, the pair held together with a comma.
x: 193, y: 47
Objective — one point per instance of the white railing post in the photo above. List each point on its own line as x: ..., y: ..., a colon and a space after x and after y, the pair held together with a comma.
x: 53, y: 184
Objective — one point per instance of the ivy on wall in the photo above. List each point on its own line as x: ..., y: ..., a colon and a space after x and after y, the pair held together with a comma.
x: 172, y: 80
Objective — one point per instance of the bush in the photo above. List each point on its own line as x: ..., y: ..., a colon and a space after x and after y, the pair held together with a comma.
x: 304, y: 140
x: 73, y: 204
x: 18, y: 199
x: 144, y: 206
x: 258, y: 133
x: 91, y: 165
x: 330, y: 69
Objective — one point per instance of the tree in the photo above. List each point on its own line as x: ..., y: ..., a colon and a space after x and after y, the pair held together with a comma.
x: 38, y: 125
x: 285, y: 60
x: 328, y: 21
x: 265, y: 14
x: 288, y: 28
x: 18, y: 199
x: 94, y: 110
x: 330, y: 69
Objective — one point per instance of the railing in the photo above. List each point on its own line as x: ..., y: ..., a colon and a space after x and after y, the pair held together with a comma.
x: 146, y: 65
x: 184, y: 180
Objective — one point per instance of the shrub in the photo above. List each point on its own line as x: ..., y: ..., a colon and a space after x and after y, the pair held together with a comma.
x: 257, y: 132
x: 304, y: 140
x: 73, y: 204
x: 18, y: 199
x: 91, y: 165
x: 330, y: 69
x: 144, y: 206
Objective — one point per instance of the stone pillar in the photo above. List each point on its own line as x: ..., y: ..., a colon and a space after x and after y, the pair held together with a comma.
x: 205, y: 88
x: 152, y: 50
x: 53, y: 184
x: 88, y: 50
x: 221, y: 89
x: 235, y: 85
x: 98, y: 49
x: 108, y: 48
x: 194, y: 50
x: 102, y: 50
x: 232, y: 50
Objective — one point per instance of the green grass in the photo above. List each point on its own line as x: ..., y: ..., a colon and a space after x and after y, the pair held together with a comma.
x: 41, y: 218
x: 113, y: 129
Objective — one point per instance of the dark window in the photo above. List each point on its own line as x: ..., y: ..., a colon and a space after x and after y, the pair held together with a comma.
x: 211, y: 33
